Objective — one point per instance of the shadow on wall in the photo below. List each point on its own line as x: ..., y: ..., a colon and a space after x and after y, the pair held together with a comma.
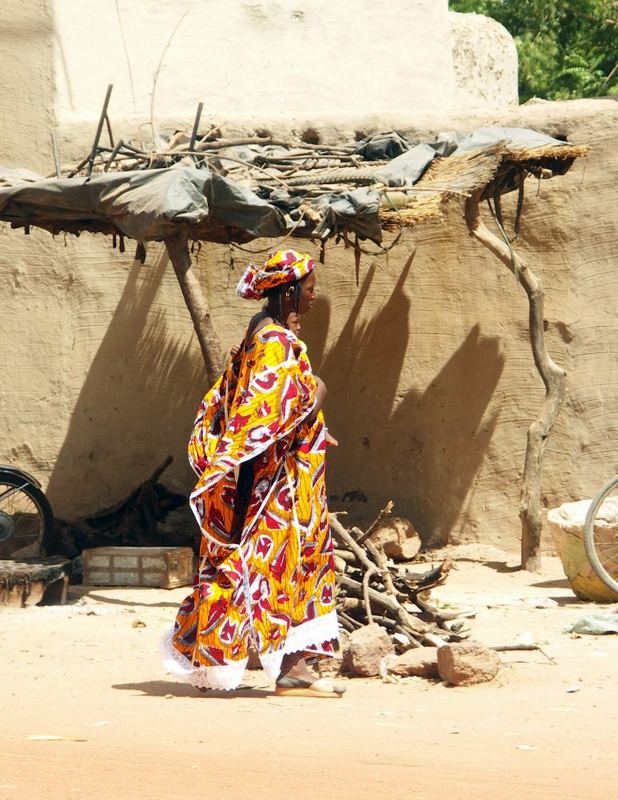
x: 427, y: 447
x: 446, y: 433
x: 140, y: 395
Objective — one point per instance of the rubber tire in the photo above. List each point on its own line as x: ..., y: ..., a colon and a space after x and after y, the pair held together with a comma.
x: 589, y: 543
x: 39, y: 499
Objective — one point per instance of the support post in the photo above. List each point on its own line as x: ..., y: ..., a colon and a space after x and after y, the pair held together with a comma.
x: 553, y: 376
x: 178, y: 250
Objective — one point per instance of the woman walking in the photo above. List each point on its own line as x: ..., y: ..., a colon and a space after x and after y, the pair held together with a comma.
x: 265, y: 579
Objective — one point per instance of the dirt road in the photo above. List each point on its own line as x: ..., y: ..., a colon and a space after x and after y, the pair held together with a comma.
x: 90, y: 674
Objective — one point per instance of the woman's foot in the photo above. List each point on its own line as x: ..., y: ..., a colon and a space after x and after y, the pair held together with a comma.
x: 296, y: 679
x: 295, y: 666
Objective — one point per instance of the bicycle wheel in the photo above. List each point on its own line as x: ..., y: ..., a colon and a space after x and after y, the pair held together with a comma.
x: 26, y: 517
x: 601, y: 541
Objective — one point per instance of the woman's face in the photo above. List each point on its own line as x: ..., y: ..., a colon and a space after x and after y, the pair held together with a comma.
x: 307, y: 293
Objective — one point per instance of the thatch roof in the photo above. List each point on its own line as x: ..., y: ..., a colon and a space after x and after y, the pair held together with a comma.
x: 238, y: 190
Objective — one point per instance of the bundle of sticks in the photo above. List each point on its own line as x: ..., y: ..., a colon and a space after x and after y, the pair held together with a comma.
x: 371, y: 589
x: 267, y: 163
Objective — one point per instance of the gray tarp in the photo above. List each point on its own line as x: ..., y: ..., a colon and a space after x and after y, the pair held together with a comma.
x: 357, y: 209
x: 407, y: 168
x: 150, y: 204
x: 452, y: 142
x: 145, y: 204
x: 391, y: 145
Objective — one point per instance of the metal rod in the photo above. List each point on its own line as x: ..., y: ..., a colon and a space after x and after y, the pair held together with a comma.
x: 109, y: 130
x: 196, y: 125
x: 56, y: 155
x: 97, y: 136
x: 113, y: 155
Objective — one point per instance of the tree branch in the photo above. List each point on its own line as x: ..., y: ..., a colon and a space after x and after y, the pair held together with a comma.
x: 553, y: 376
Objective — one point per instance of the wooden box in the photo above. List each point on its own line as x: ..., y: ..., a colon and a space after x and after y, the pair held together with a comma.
x: 164, y: 567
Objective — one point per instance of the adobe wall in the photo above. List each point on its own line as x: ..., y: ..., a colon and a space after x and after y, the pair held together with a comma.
x: 427, y: 360
x: 28, y: 88
x: 244, y: 59
x: 431, y: 380
x: 240, y: 56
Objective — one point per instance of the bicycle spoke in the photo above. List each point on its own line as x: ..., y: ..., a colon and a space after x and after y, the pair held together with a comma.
x: 20, y: 518
x: 10, y: 492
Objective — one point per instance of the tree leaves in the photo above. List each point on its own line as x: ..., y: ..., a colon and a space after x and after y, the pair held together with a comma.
x: 566, y: 48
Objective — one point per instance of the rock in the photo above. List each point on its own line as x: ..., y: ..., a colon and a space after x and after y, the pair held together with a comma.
x: 466, y: 663
x: 401, y: 641
x: 398, y: 538
x: 330, y: 667
x: 365, y: 649
x: 420, y: 661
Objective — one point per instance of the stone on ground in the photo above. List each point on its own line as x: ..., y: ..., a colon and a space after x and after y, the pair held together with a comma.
x: 467, y: 663
x: 420, y: 661
x: 365, y: 649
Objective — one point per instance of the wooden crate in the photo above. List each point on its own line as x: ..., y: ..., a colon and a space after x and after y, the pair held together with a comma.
x: 164, y: 567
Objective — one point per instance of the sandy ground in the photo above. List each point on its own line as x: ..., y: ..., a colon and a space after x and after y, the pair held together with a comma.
x: 89, y: 673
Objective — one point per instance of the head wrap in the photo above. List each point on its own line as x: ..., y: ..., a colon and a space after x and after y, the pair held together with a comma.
x: 282, y: 267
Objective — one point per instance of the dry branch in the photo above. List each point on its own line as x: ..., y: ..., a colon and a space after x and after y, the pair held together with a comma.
x: 553, y: 376
x: 371, y: 589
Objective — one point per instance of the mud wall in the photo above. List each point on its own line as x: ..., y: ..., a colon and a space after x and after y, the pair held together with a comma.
x: 426, y: 354
x: 247, y: 56
x: 27, y: 88
x: 484, y: 62
x: 431, y: 380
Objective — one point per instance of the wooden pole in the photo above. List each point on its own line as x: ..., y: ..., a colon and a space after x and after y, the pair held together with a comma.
x: 178, y: 250
x: 553, y: 376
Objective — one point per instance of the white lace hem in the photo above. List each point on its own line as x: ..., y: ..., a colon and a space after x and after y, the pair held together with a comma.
x: 310, y: 634
x: 224, y: 678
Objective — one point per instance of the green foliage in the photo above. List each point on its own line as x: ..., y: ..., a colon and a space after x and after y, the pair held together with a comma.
x: 567, y: 48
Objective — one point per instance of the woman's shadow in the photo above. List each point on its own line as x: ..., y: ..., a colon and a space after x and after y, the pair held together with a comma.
x: 177, y: 689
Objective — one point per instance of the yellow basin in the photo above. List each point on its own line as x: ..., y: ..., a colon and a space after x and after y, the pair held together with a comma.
x: 566, y: 524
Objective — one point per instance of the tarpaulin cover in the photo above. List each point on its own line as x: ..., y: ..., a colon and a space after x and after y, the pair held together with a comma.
x: 407, y: 168
x: 357, y: 209
x: 517, y: 138
x: 146, y: 204
x: 383, y: 146
x: 151, y: 203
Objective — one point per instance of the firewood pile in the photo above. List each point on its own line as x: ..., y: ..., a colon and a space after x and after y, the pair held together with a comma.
x: 372, y: 589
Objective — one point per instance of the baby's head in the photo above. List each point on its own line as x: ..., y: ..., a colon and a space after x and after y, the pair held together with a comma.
x: 293, y: 322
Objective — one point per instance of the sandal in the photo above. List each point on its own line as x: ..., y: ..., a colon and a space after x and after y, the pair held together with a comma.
x: 298, y: 687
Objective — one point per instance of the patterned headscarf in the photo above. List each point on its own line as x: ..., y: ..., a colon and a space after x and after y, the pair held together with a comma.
x: 282, y: 267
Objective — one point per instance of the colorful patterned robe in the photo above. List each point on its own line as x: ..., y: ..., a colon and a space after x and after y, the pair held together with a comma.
x: 269, y: 584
